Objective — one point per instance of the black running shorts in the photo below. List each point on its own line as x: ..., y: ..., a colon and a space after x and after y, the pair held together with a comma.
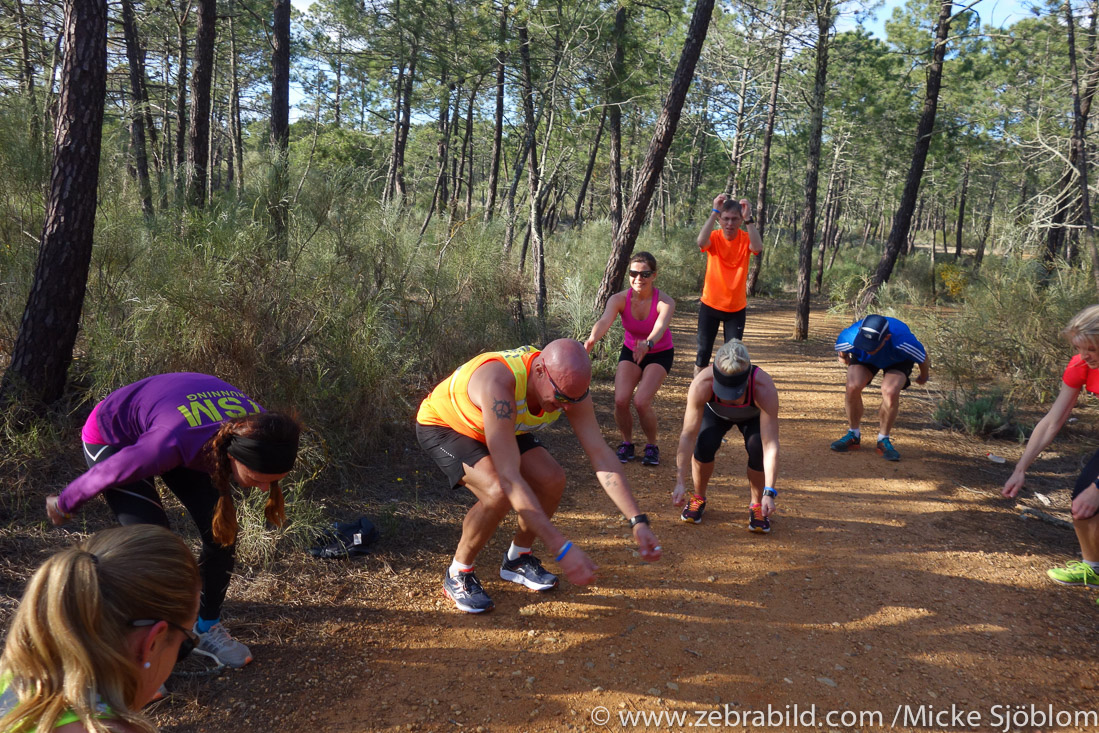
x: 663, y: 358
x: 905, y: 367
x: 452, y: 451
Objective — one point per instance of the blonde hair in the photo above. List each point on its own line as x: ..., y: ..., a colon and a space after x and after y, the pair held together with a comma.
x: 1085, y: 325
x: 276, y: 427
x: 66, y: 650
x: 732, y: 358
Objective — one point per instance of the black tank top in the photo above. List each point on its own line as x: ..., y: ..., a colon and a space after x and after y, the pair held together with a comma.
x: 737, y: 414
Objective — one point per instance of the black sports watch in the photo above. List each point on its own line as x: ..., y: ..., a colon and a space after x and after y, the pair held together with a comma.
x: 639, y: 519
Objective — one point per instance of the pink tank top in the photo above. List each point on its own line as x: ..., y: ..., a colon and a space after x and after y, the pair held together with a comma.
x: 639, y: 330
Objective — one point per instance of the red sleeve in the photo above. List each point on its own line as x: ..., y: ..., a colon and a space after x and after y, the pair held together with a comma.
x: 1076, y: 373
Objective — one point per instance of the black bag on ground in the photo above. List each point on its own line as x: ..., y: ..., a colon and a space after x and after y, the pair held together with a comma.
x: 346, y: 539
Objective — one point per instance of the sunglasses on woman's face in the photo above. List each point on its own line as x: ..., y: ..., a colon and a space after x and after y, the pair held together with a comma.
x: 643, y: 274
x: 190, y: 638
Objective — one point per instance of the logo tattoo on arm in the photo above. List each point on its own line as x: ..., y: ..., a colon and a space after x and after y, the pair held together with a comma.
x: 502, y: 409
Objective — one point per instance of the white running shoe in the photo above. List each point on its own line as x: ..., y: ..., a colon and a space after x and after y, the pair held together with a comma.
x: 217, y: 643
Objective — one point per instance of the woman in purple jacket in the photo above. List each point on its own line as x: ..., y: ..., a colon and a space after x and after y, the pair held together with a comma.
x: 196, y: 432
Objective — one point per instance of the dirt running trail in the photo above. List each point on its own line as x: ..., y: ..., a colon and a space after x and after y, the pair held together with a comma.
x: 881, y: 585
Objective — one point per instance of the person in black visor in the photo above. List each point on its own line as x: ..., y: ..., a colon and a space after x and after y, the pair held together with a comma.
x: 729, y: 392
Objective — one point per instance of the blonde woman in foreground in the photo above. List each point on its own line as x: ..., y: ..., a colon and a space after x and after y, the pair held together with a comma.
x: 97, y: 632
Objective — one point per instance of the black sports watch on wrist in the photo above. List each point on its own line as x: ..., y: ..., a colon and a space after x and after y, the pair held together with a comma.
x: 639, y: 519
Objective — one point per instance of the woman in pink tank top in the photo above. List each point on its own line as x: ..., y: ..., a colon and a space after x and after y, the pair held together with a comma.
x: 646, y: 356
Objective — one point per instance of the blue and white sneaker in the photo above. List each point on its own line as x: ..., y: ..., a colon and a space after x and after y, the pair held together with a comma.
x: 466, y: 592
x: 527, y: 570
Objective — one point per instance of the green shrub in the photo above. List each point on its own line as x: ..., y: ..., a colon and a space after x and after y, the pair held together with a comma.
x: 1005, y: 334
x: 983, y: 415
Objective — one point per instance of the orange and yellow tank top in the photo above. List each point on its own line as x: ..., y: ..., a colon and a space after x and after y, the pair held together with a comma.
x: 449, y: 404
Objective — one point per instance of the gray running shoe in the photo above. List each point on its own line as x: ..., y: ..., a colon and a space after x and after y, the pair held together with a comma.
x: 467, y: 593
x: 219, y: 644
x: 527, y: 570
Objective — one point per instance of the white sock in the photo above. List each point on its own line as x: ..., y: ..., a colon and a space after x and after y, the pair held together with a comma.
x: 882, y: 437
x: 514, y: 552
x: 457, y: 567
x: 856, y: 431
x: 1094, y: 565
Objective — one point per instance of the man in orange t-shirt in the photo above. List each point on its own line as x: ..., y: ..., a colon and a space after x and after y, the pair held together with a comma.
x: 724, y: 295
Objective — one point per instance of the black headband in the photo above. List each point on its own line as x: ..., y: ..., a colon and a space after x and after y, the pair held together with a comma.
x: 264, y: 456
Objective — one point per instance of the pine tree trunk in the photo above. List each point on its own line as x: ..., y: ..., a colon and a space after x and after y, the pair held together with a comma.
x: 47, y: 333
x: 139, y: 105
x: 235, y: 133
x: 961, y: 212
x: 902, y: 220
x: 812, y: 170
x: 181, y: 108
x: 577, y: 214
x: 26, y: 75
x: 1078, y: 143
x: 278, y: 205
x: 617, y: 99
x: 666, y: 125
x: 498, y: 117
x: 202, y: 77
x: 738, y: 136
x: 765, y: 159
x: 987, y: 228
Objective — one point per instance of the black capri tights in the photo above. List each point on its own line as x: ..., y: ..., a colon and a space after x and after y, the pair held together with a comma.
x: 139, y: 503
x: 708, y: 320
x: 714, y: 429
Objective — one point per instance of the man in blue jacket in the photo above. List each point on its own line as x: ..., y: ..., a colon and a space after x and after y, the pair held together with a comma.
x: 878, y: 343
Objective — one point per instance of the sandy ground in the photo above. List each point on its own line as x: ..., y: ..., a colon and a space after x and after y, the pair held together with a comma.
x: 888, y: 595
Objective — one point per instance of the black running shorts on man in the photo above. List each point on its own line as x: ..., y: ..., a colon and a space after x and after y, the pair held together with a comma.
x: 452, y: 451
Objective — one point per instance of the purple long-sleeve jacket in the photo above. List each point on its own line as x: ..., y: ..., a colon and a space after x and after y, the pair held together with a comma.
x: 161, y: 422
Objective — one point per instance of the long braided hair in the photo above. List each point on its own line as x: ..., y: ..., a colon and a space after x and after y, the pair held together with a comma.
x: 274, y: 427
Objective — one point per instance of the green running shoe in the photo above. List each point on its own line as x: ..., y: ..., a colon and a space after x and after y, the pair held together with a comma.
x: 1075, y: 573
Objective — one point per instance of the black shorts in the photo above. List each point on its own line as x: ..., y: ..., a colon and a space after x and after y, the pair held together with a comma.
x: 1088, y: 476
x: 905, y: 367
x: 714, y: 429
x: 452, y: 451
x: 661, y: 358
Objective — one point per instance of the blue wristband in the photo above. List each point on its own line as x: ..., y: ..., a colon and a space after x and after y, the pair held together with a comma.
x: 769, y: 491
x: 717, y: 211
x: 564, y: 551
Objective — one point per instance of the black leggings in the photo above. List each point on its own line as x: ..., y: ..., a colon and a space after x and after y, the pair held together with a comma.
x: 708, y: 320
x: 139, y: 503
x: 713, y: 430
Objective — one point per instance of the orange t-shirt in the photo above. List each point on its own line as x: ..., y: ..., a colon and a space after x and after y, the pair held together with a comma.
x: 726, y: 272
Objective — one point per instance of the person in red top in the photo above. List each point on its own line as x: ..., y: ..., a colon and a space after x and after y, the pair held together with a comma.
x: 724, y: 294
x: 647, y: 353
x: 1082, y: 373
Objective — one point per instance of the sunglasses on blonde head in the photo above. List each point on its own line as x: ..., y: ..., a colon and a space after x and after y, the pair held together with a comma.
x: 643, y: 274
